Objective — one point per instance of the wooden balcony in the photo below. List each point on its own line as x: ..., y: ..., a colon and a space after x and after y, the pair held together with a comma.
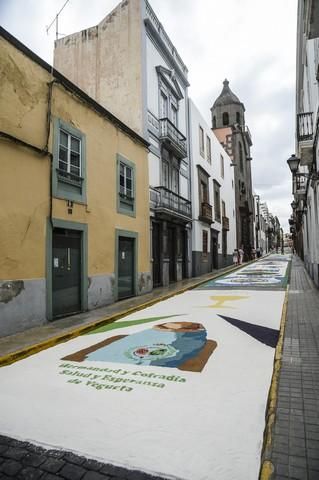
x: 305, y: 133
x: 206, y: 213
x: 173, y: 138
x: 225, y: 223
x: 304, y: 126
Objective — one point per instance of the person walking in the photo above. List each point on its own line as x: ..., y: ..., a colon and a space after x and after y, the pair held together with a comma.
x: 241, y: 255
x: 235, y: 257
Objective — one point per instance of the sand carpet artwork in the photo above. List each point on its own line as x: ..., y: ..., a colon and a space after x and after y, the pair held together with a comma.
x: 193, y: 371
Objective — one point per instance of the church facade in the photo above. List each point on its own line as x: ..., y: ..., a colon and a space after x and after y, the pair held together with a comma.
x: 228, y: 123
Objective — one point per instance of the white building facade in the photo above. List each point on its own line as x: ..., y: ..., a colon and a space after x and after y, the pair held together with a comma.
x: 213, y: 198
x: 129, y: 65
x: 305, y: 221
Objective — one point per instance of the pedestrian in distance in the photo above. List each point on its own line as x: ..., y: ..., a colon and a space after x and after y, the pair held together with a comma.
x: 258, y: 253
x: 241, y: 255
x: 235, y: 257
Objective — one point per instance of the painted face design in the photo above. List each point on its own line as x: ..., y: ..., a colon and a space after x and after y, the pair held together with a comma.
x: 169, y: 344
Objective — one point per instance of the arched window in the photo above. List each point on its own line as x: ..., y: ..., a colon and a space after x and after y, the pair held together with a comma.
x: 214, y: 121
x: 241, y: 158
x: 238, y: 117
x: 225, y: 118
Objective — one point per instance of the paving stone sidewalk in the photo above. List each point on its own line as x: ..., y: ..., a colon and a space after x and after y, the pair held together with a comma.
x: 24, y: 461
x: 295, y: 447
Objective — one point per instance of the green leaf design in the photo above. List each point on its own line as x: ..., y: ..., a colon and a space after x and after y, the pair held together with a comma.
x: 131, y: 323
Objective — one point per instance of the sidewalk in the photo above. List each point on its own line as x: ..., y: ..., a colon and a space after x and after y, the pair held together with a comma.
x: 294, y: 449
x: 35, y: 339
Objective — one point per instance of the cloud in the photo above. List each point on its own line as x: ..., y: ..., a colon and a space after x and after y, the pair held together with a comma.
x: 250, y: 42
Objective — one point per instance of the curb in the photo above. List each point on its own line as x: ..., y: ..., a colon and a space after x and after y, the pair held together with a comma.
x: 45, y: 344
x: 267, y: 468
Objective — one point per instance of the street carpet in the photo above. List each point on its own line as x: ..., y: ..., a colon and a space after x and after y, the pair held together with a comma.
x: 178, y: 390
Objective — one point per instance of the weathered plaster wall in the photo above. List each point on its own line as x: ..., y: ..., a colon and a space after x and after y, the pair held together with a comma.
x: 105, y: 61
x: 25, y: 193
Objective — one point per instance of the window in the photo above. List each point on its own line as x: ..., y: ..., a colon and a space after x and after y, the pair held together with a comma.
x: 223, y: 209
x: 201, y: 142
x: 241, y: 159
x: 214, y: 121
x: 222, y: 166
x: 205, y: 242
x: 217, y: 201
x: 69, y: 162
x: 126, y: 186
x: 163, y: 105
x: 175, y: 180
x: 238, y: 117
x: 225, y: 119
x: 174, y: 115
x: 126, y: 181
x: 208, y: 149
x: 165, y: 174
x: 69, y: 156
x: 203, y: 192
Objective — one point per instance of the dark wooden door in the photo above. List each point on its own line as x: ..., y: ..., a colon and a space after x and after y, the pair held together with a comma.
x: 172, y: 253
x: 126, y: 267
x: 66, y: 272
x: 214, y: 252
x: 156, y: 254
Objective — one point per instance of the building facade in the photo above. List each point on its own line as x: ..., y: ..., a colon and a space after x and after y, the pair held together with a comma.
x: 305, y: 220
x: 129, y: 64
x: 228, y: 123
x: 213, y: 198
x: 74, y: 219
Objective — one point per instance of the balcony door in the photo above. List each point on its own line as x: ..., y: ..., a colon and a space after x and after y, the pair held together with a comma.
x: 163, y: 105
x: 203, y: 192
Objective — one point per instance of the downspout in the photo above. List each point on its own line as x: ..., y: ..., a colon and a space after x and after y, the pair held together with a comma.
x: 48, y: 128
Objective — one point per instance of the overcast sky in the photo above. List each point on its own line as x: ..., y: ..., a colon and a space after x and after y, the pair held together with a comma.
x: 251, y: 42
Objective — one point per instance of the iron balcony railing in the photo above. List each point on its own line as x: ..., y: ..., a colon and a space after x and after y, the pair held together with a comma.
x: 163, y: 198
x: 171, y: 135
x: 206, y: 213
x: 304, y: 126
x: 225, y: 223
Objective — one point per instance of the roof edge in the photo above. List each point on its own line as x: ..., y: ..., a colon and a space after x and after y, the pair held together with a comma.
x: 72, y: 87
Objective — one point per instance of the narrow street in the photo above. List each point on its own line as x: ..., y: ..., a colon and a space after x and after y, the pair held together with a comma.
x: 176, y: 390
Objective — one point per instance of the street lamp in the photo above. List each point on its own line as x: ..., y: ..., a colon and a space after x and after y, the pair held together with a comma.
x: 293, y: 163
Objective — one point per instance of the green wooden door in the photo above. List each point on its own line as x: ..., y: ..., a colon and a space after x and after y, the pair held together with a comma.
x: 126, y: 267
x: 66, y: 272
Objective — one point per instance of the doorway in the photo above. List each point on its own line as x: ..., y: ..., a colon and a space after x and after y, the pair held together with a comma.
x: 66, y: 272
x: 156, y: 255
x: 126, y: 267
x: 214, y: 250
x: 171, y: 237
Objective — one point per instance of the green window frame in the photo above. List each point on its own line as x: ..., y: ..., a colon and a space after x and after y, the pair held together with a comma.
x: 126, y: 186
x: 69, y: 177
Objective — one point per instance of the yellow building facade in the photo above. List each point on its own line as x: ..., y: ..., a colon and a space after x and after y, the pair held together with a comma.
x: 74, y: 206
